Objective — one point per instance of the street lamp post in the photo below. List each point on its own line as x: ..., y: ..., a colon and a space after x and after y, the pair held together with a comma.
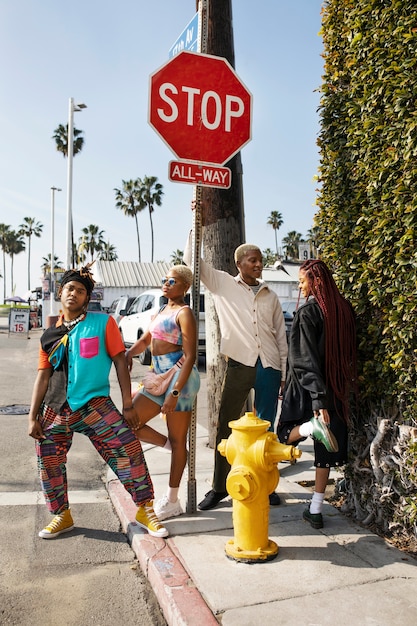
x: 70, y: 149
x: 52, y: 274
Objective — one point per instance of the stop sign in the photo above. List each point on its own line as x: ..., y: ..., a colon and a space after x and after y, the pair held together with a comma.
x: 200, y: 108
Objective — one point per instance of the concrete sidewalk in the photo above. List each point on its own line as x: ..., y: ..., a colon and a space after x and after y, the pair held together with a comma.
x: 341, y: 574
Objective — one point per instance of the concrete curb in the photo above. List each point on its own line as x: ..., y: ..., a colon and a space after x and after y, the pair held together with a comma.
x: 176, y: 593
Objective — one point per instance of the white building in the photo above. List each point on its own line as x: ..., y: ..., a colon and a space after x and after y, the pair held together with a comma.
x: 283, y: 279
x: 128, y: 278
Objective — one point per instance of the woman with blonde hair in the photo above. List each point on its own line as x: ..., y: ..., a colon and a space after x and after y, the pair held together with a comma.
x: 172, y: 337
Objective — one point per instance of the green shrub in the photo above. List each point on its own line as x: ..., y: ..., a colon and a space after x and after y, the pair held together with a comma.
x: 367, y: 215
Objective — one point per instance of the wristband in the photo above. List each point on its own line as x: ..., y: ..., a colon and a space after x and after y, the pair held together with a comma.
x: 128, y: 408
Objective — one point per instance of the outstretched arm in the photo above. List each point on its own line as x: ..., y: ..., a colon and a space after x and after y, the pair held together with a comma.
x: 213, y: 279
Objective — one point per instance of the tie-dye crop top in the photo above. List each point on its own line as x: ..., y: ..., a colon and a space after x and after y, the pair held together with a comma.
x: 165, y: 327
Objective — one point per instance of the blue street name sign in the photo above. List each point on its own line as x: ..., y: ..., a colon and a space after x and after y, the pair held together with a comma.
x: 188, y: 40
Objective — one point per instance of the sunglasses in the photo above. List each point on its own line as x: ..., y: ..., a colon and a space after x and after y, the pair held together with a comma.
x: 171, y: 281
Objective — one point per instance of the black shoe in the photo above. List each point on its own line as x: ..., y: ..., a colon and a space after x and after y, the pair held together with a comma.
x: 211, y: 499
x: 274, y: 499
x: 315, y: 519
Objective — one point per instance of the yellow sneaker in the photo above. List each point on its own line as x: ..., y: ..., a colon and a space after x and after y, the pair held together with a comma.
x: 146, y: 518
x: 61, y: 523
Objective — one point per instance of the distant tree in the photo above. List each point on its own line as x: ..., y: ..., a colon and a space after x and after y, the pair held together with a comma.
x: 275, y: 220
x: 268, y: 257
x: 14, y: 245
x: 46, y: 265
x: 107, y: 253
x: 151, y: 192
x: 4, y: 232
x: 313, y: 240
x: 130, y: 201
x: 93, y: 240
x: 177, y: 257
x: 291, y: 242
x: 30, y: 228
x: 61, y: 140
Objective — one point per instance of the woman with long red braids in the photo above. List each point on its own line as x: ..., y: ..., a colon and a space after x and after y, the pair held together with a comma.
x: 321, y: 374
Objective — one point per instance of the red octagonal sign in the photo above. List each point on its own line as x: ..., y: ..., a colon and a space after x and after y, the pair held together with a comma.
x: 200, y: 108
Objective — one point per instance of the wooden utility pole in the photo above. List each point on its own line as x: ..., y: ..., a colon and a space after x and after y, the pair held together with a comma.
x: 222, y: 214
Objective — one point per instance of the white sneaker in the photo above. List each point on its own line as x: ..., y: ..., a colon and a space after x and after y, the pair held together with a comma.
x: 164, y: 508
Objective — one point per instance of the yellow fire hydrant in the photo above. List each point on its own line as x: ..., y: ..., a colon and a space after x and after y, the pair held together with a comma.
x: 253, y: 453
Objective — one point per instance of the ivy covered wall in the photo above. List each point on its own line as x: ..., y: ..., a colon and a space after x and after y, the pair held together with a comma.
x: 367, y: 221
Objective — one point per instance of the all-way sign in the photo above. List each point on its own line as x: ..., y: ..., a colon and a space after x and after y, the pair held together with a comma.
x: 200, y: 174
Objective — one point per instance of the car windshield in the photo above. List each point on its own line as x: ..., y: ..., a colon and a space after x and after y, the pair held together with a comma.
x: 94, y: 306
x: 289, y: 306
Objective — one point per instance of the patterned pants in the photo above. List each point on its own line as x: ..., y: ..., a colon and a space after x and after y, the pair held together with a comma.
x: 106, y: 428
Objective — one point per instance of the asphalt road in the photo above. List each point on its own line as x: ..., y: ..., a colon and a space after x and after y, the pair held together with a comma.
x: 88, y: 576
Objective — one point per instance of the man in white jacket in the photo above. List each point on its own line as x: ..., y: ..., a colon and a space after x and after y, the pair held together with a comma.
x: 254, y: 342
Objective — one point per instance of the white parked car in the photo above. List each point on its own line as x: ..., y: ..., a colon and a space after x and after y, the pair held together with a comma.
x: 136, y: 320
x: 122, y: 303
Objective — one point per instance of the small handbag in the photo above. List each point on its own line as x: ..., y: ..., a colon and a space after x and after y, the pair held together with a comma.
x: 157, y: 384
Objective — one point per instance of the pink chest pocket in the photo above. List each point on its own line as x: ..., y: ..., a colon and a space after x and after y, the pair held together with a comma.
x: 89, y: 347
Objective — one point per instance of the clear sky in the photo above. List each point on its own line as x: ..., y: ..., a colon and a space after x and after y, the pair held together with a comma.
x: 101, y: 53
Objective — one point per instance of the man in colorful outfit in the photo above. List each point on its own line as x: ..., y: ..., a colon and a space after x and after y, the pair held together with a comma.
x: 71, y: 394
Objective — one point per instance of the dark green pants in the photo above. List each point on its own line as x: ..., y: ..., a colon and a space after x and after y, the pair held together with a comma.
x: 238, y: 381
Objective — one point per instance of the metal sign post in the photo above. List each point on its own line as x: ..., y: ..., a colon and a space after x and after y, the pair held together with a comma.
x: 195, y: 301
x: 191, y: 506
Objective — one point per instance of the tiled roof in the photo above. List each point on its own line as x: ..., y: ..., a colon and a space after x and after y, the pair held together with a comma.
x: 125, y: 274
x: 128, y: 274
x: 289, y: 273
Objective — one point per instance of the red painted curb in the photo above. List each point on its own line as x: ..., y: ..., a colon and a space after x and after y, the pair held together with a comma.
x: 178, y: 597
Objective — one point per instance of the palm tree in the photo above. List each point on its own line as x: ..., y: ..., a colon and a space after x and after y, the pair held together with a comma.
x: 46, y: 265
x: 313, y: 239
x: 130, y: 201
x: 4, y: 232
x: 275, y: 220
x: 107, y: 253
x: 61, y: 139
x: 177, y: 257
x: 46, y: 269
x: 14, y: 245
x: 29, y: 228
x: 268, y: 257
x: 92, y: 239
x: 151, y: 192
x: 291, y: 242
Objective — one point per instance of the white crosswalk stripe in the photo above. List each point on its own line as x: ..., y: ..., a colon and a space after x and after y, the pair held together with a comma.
x: 15, y: 498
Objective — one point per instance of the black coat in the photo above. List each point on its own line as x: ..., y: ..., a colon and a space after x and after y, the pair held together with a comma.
x: 306, y: 390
